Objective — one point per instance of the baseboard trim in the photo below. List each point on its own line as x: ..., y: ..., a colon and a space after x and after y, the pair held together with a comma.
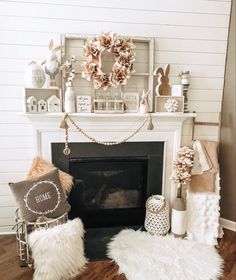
x: 7, y: 233
x: 6, y: 230
x: 228, y: 224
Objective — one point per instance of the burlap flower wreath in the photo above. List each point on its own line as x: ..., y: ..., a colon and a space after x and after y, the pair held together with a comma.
x: 122, y: 51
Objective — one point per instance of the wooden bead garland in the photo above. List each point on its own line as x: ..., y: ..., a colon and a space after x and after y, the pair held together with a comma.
x: 65, y: 126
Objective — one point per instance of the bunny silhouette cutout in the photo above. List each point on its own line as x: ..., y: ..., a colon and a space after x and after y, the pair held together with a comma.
x: 163, y: 87
x: 52, y: 63
x: 144, y: 106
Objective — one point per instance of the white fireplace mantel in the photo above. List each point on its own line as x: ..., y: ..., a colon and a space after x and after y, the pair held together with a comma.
x: 114, y: 127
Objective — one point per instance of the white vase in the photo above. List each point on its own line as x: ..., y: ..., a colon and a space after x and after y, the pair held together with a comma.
x: 179, y: 216
x: 34, y: 76
x: 69, y: 100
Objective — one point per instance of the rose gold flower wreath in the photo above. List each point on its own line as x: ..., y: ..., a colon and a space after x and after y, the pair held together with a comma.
x: 122, y: 50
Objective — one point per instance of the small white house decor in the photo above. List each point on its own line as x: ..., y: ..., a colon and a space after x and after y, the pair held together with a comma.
x: 157, y: 215
x: 32, y: 104
x: 34, y: 75
x: 83, y: 104
x: 39, y: 102
x: 54, y: 104
x: 122, y: 52
x: 171, y: 105
x: 42, y: 106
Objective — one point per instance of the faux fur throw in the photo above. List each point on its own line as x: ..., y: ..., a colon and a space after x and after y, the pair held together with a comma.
x: 58, y: 252
x: 141, y: 256
x: 40, y: 167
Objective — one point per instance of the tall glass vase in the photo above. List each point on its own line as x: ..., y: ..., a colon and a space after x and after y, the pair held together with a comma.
x: 178, y: 215
x: 69, y: 104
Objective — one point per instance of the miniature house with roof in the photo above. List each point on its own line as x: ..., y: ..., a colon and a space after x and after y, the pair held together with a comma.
x: 54, y: 104
x: 42, y: 105
x: 31, y: 104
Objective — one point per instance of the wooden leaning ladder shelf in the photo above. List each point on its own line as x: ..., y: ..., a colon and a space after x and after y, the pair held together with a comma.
x: 202, y: 123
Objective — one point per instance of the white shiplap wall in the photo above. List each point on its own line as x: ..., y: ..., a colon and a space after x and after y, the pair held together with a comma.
x: 189, y: 34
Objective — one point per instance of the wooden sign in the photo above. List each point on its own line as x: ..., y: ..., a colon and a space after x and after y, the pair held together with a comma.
x: 131, y: 100
x: 84, y: 104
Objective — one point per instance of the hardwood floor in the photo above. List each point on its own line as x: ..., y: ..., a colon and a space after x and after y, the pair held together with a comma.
x: 101, y: 270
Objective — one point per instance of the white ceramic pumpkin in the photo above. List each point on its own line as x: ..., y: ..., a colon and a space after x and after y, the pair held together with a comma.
x: 34, y: 75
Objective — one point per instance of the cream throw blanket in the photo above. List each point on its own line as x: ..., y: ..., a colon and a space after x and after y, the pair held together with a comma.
x: 205, y: 166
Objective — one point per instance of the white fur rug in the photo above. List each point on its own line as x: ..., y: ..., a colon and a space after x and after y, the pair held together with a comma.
x: 142, y: 256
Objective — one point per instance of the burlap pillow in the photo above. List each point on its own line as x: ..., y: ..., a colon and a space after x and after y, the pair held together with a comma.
x: 40, y: 167
x: 43, y: 196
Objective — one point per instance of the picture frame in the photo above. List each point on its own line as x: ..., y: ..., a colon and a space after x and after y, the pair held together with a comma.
x: 177, y: 90
x: 83, y: 104
x: 143, y: 65
x: 131, y: 101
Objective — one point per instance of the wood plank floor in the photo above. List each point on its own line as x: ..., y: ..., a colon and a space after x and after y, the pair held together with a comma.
x: 101, y: 270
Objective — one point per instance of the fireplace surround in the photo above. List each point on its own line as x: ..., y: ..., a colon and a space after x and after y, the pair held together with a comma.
x: 110, y: 127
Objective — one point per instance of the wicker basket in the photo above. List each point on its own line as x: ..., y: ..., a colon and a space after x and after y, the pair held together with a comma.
x: 157, y: 220
x: 24, y: 228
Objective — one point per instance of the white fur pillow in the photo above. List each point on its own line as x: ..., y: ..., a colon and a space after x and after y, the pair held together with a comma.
x: 58, y: 252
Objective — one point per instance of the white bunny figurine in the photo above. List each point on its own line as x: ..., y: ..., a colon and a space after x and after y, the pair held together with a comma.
x: 144, y: 106
x: 52, y: 63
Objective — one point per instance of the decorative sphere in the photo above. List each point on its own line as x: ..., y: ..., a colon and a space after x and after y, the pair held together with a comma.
x: 34, y: 76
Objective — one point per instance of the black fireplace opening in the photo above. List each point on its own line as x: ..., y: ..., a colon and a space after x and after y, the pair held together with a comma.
x: 109, y: 191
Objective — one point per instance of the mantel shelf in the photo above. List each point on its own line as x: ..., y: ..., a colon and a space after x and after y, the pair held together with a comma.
x: 109, y: 116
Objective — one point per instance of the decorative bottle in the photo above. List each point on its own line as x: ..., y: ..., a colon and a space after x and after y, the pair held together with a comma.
x: 69, y: 100
x: 178, y: 215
